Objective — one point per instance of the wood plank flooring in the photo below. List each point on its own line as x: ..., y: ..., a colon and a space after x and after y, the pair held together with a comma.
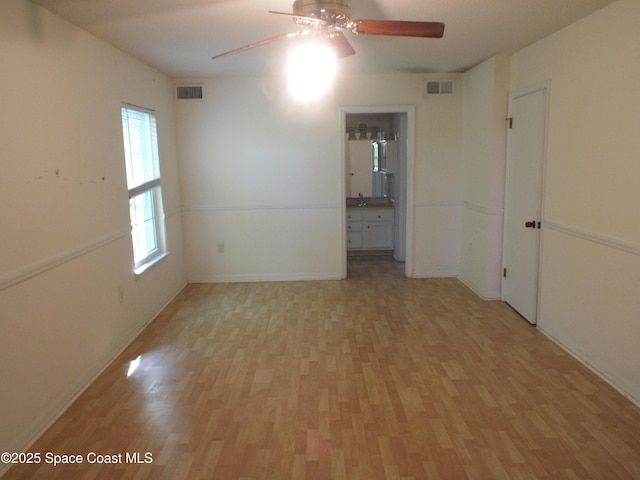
x: 373, y: 377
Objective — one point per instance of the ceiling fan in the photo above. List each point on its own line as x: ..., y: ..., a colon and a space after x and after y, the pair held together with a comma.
x: 329, y: 18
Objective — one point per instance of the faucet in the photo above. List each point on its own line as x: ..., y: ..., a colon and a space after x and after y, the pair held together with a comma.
x: 361, y: 202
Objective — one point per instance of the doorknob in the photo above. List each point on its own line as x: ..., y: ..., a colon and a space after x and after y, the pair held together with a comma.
x: 531, y: 224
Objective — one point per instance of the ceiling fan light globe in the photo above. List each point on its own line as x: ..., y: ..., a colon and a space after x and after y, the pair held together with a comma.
x: 311, y: 70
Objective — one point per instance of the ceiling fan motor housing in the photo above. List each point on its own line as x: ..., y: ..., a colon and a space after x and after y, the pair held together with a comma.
x: 330, y: 10
x: 328, y: 18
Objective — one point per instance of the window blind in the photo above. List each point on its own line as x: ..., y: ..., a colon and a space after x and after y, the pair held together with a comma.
x: 141, y: 146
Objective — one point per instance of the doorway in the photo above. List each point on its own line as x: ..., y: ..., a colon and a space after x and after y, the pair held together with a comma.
x: 523, y: 206
x: 396, y: 122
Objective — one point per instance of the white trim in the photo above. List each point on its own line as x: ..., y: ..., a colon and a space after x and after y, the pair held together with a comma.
x: 545, y: 86
x: 283, y: 206
x: 138, y: 108
x: 634, y: 249
x: 488, y: 296
x: 140, y: 269
x: 172, y: 211
x: 263, y: 277
x: 491, y: 211
x: 438, y: 203
x: 410, y: 111
x: 611, y: 380
x: 436, y: 274
x: 31, y: 271
x: 144, y: 188
x: 78, y: 388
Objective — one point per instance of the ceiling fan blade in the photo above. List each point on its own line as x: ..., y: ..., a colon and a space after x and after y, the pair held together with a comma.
x: 340, y: 45
x: 257, y: 44
x: 399, y: 28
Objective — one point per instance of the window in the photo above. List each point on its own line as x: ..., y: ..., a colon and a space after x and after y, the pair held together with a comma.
x: 143, y: 182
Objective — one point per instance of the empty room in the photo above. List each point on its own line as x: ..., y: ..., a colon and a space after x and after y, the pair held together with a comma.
x: 321, y: 239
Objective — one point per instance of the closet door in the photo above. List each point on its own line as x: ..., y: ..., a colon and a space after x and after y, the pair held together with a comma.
x: 523, y: 208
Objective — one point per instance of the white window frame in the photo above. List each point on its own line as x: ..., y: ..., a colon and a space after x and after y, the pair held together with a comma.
x: 143, y: 182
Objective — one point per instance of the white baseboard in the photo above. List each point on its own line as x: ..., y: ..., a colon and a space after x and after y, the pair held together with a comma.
x: 58, y: 409
x: 489, y: 296
x: 607, y: 378
x: 435, y: 274
x: 263, y: 277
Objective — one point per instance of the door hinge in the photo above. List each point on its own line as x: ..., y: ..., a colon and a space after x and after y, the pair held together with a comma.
x: 504, y: 272
x: 510, y: 120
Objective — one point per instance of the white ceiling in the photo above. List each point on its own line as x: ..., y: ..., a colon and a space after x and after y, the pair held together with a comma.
x: 179, y: 37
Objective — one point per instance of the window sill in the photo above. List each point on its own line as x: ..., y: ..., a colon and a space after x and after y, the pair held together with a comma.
x: 143, y: 268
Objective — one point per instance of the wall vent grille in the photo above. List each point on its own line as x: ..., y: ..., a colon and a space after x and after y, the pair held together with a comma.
x: 189, y: 92
x: 440, y: 87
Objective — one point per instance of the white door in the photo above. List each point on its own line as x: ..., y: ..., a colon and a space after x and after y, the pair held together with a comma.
x: 527, y: 140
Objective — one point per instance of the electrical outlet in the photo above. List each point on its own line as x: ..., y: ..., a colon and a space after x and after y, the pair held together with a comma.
x: 220, y: 247
x: 120, y: 295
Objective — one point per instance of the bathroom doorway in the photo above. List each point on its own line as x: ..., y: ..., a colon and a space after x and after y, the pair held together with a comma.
x: 359, y: 125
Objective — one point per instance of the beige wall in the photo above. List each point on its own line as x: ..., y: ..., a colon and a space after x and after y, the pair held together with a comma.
x: 265, y: 176
x: 483, y: 175
x: 590, y: 277
x: 69, y: 300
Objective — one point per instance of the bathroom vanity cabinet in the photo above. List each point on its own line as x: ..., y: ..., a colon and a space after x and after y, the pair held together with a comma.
x: 369, y: 228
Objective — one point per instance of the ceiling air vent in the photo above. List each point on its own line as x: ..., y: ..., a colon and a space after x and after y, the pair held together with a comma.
x: 189, y: 92
x: 440, y: 87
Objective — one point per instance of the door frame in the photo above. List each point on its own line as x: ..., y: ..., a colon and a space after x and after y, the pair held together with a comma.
x: 519, y: 92
x: 409, y: 110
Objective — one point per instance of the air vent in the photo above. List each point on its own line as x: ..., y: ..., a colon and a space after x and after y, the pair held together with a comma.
x: 189, y: 92
x: 440, y: 87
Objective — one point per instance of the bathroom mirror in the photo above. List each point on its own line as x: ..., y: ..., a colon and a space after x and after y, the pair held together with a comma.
x: 360, y: 177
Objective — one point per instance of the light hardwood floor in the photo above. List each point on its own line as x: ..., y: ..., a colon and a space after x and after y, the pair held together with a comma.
x: 373, y: 377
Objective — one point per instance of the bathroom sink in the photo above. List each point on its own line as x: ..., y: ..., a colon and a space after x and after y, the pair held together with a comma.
x: 369, y: 202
